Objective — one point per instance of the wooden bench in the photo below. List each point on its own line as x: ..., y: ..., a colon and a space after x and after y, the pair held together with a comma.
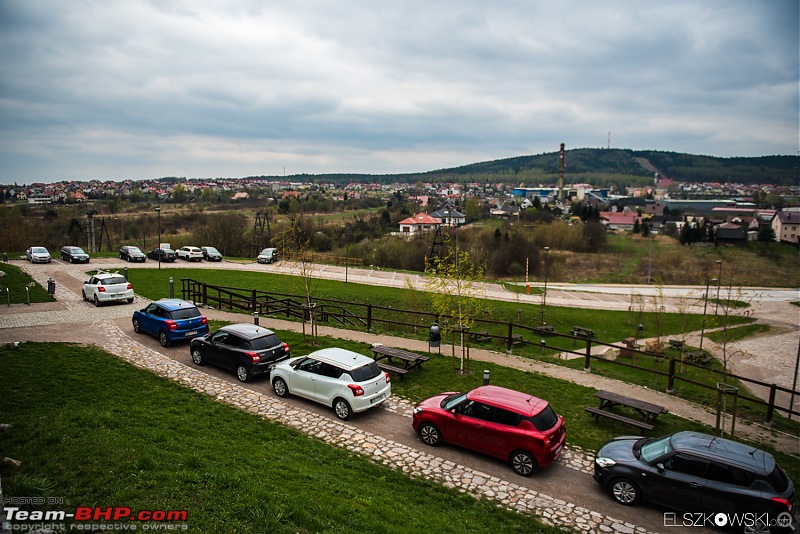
x: 609, y: 399
x: 409, y: 359
x: 580, y: 331
x: 616, y: 417
x: 516, y: 339
x: 699, y: 357
x: 480, y: 336
x: 677, y: 344
x: 544, y: 329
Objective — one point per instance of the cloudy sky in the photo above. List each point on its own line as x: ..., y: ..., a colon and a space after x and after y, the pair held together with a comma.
x: 211, y: 88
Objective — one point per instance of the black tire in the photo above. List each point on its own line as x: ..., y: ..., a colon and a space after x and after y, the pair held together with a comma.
x: 523, y: 463
x: 757, y: 527
x: 280, y: 387
x: 130, y: 300
x: 197, y: 356
x: 85, y: 299
x: 342, y: 409
x: 242, y: 373
x: 430, y: 434
x: 72, y: 260
x: 97, y: 302
x: 624, y: 491
x: 136, y: 326
x: 163, y: 339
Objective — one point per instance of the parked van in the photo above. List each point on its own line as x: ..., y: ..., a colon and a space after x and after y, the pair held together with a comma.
x: 268, y: 255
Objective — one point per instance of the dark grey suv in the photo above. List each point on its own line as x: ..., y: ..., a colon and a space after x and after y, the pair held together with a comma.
x: 247, y: 349
x: 698, y: 473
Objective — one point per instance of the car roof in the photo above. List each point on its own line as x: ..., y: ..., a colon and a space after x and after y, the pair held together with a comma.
x: 174, y: 304
x: 500, y: 397
x: 191, y: 247
x: 247, y: 331
x: 105, y: 274
x: 730, y: 452
x: 346, y: 359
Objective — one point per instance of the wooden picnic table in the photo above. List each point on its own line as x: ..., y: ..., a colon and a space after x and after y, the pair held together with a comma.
x: 609, y: 399
x: 480, y: 336
x: 408, y: 359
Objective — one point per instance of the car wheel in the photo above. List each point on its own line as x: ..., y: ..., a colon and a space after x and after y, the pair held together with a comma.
x: 758, y: 526
x: 342, y: 409
x: 163, y: 339
x: 430, y: 434
x: 136, y: 326
x: 242, y: 373
x: 130, y: 300
x: 72, y: 260
x: 523, y: 463
x: 96, y: 301
x: 85, y: 298
x: 280, y: 387
x: 625, y: 491
x: 197, y: 357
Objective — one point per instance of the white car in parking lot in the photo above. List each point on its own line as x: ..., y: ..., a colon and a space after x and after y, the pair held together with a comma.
x: 38, y: 255
x: 107, y: 287
x: 346, y: 381
x: 190, y: 253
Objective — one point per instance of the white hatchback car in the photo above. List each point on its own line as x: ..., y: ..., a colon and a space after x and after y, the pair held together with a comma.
x: 107, y: 287
x: 190, y: 253
x: 342, y: 379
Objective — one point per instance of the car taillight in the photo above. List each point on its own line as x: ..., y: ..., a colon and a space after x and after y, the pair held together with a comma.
x: 254, y: 357
x: 286, y: 347
x: 172, y: 325
x: 783, y: 502
x: 387, y: 377
x: 356, y: 389
x: 203, y: 319
x: 130, y: 286
x: 101, y: 289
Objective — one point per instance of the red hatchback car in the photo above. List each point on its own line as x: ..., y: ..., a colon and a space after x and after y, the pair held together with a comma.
x: 510, y: 425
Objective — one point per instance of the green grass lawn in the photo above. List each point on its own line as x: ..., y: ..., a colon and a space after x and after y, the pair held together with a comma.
x: 100, y: 432
x: 15, y: 280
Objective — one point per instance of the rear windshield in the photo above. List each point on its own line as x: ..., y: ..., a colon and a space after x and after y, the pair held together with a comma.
x: 265, y: 342
x: 113, y: 281
x: 185, y: 313
x: 367, y: 372
x: 778, y: 480
x: 545, y: 420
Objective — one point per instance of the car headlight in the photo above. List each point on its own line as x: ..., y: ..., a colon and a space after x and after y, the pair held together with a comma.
x: 604, y: 462
x: 418, y: 410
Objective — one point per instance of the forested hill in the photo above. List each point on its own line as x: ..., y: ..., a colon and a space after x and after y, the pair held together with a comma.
x: 603, y: 166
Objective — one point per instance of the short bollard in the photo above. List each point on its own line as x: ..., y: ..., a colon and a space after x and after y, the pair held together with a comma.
x: 171, y: 288
x: 255, y: 318
x: 485, y: 377
x: 8, y: 297
x: 544, y: 344
x: 27, y: 296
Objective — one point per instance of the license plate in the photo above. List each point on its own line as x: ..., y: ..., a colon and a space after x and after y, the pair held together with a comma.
x: 192, y: 333
x: 376, y: 399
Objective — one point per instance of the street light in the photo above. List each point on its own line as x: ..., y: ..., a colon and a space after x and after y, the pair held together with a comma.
x: 705, y: 306
x: 719, y: 283
x: 546, y: 268
x: 158, y: 245
x: 347, y: 251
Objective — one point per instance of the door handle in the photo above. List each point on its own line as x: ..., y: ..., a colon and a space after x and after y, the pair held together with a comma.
x: 695, y: 485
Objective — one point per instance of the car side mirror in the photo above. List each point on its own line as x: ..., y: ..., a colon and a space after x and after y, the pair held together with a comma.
x: 660, y: 467
x: 294, y: 364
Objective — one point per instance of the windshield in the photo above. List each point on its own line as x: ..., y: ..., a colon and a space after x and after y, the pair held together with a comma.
x: 453, y: 400
x: 545, y: 420
x: 266, y: 252
x: 212, y: 250
x: 76, y: 250
x: 134, y: 250
x: 366, y: 372
x: 265, y: 342
x: 185, y: 313
x: 39, y: 250
x: 655, y: 448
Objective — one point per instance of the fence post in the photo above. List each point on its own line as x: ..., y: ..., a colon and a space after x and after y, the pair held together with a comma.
x: 369, y: 317
x: 205, y: 294
x: 671, y: 376
x: 253, y: 301
x: 587, y: 364
x: 771, y: 404
x: 509, y: 343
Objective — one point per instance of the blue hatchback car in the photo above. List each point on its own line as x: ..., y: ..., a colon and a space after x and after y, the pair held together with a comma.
x: 170, y: 320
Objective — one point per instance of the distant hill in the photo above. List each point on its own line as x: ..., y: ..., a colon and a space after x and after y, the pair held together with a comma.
x: 604, y: 166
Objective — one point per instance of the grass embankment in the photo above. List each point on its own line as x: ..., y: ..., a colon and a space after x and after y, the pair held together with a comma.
x: 99, y: 432
x: 15, y: 280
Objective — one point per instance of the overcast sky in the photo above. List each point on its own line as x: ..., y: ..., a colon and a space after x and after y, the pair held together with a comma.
x: 202, y: 88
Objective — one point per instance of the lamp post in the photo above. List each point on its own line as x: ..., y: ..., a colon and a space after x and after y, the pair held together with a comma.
x: 705, y: 306
x: 719, y: 283
x: 347, y: 251
x: 546, y: 268
x: 158, y: 245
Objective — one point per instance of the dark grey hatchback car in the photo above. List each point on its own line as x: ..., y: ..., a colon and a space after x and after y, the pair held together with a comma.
x: 698, y: 473
x: 248, y: 349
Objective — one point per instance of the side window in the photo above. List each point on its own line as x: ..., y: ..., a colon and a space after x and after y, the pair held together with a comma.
x: 233, y: 341
x: 331, y: 371
x: 311, y: 366
x: 504, y: 417
x: 220, y: 337
x: 475, y: 409
x: 686, y: 464
x: 151, y: 309
x: 92, y: 280
x: 728, y: 474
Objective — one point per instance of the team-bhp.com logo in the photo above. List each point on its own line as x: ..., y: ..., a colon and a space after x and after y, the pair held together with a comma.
x: 747, y: 519
x: 95, y: 518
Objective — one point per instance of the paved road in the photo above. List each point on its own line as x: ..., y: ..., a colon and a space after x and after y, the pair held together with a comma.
x: 70, y: 318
